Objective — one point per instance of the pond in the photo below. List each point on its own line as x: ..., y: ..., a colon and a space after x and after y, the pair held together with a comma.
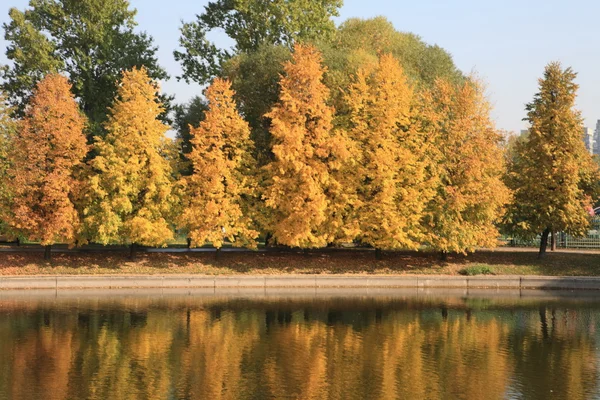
x: 182, y: 345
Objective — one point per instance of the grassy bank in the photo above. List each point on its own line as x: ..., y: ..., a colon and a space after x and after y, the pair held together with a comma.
x: 499, y: 262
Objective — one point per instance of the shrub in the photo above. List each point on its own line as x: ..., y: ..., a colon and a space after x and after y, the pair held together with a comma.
x: 476, y: 270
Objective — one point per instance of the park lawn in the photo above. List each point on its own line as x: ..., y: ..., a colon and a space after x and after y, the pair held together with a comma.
x: 499, y: 262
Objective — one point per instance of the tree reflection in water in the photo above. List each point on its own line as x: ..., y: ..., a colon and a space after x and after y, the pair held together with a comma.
x: 342, y: 348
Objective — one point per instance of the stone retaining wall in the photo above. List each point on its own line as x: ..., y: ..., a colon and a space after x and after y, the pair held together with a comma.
x: 298, y: 281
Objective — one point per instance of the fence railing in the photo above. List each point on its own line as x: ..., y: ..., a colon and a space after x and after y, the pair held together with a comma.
x: 564, y: 241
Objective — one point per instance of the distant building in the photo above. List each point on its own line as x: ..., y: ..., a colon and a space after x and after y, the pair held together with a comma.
x: 596, y: 146
x: 589, y: 139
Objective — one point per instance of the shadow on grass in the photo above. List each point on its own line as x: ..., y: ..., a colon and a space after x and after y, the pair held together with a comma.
x: 502, y: 261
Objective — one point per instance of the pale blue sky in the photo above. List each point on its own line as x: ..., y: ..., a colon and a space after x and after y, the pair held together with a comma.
x: 507, y: 43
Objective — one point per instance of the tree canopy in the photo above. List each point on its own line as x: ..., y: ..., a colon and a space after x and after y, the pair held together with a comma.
x: 8, y: 127
x: 391, y: 183
x: 306, y: 151
x: 255, y: 78
x: 250, y: 24
x: 90, y: 41
x: 186, y: 117
x: 356, y: 44
x: 468, y: 165
x: 215, y: 205
x: 45, y: 153
x: 131, y: 183
x: 554, y: 178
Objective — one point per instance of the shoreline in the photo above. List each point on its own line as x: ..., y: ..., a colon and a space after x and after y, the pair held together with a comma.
x: 266, y: 282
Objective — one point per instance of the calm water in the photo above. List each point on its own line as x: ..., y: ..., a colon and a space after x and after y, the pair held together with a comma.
x: 153, y: 346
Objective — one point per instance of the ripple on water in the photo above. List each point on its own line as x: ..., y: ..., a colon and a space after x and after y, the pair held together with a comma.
x: 303, y: 348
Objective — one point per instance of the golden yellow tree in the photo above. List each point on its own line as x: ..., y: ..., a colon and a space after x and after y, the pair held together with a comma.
x: 391, y: 181
x: 470, y: 195
x: 301, y: 188
x: 215, y: 204
x: 45, y: 153
x: 554, y: 177
x: 131, y: 185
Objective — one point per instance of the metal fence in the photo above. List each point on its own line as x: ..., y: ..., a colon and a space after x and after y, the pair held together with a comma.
x: 564, y: 241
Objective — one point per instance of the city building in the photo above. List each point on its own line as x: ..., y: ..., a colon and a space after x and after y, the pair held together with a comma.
x: 589, y: 139
x: 596, y: 146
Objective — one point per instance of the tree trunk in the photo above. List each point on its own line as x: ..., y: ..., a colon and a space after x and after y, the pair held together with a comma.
x: 268, y: 239
x: 444, y: 255
x: 189, y: 243
x: 544, y: 322
x: 544, y: 243
x: 218, y: 253
x: 48, y: 253
x: 553, y: 241
x: 132, y: 251
x: 378, y: 254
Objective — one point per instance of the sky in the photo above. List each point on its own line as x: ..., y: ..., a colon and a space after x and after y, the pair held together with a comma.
x: 506, y: 43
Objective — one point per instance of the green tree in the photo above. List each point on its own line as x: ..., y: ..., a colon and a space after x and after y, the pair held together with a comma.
x: 131, y: 187
x: 358, y: 43
x: 90, y: 41
x: 187, y: 117
x: 215, y: 207
x: 255, y: 78
x: 250, y: 23
x: 553, y: 176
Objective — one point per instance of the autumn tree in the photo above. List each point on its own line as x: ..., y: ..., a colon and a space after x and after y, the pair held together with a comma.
x: 131, y: 187
x: 215, y: 206
x: 89, y: 41
x: 7, y: 131
x: 470, y: 195
x: 302, y: 196
x: 554, y: 178
x: 391, y: 181
x: 250, y: 24
x: 48, y: 148
x: 355, y: 44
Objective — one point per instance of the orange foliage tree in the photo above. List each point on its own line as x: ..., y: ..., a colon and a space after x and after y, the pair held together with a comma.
x: 391, y: 183
x: 130, y: 194
x: 7, y: 131
x: 45, y: 153
x: 300, y: 188
x: 470, y: 195
x: 215, y: 204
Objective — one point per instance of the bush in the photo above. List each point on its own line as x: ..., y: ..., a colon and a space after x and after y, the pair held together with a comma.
x: 476, y: 270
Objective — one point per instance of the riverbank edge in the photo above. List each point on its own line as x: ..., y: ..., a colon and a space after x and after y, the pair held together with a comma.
x: 66, y: 282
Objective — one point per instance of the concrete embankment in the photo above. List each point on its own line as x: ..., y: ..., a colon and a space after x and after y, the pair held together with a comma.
x: 297, y: 281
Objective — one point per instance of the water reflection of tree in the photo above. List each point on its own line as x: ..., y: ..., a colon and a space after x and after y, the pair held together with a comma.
x: 556, y: 356
x: 298, y: 351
